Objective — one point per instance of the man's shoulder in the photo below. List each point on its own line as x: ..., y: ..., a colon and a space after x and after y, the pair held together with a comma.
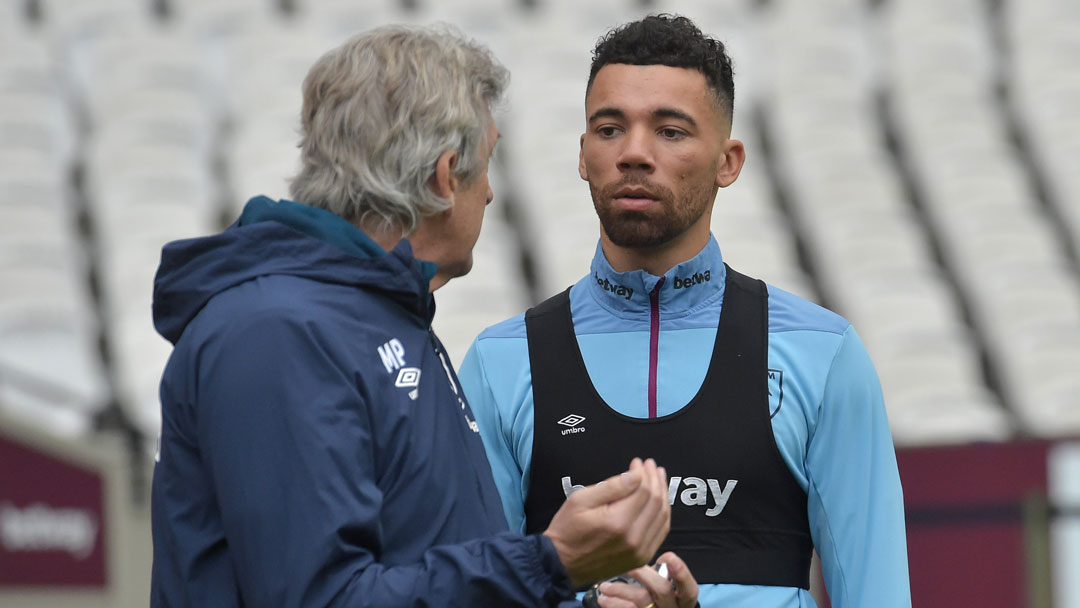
x: 514, y: 327
x: 278, y: 302
x: 789, y: 312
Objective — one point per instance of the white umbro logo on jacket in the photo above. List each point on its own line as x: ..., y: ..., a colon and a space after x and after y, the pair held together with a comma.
x: 392, y: 354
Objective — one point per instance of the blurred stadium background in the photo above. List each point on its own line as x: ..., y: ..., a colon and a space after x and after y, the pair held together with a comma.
x: 911, y: 165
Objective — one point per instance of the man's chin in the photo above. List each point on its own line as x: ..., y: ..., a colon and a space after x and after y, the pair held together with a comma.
x: 460, y: 269
x: 450, y: 271
x: 636, y: 239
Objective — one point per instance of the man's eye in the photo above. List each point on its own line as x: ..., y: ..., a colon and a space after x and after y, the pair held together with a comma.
x: 672, y: 133
x: 606, y: 131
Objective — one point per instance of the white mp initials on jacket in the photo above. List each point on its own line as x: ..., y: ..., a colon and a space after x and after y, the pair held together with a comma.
x: 392, y: 354
x: 696, y: 492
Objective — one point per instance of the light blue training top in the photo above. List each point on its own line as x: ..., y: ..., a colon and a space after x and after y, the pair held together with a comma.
x: 829, y: 424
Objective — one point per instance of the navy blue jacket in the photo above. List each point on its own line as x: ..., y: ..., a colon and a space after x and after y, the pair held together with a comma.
x: 316, y: 448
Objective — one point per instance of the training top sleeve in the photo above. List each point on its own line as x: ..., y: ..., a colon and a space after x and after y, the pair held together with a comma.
x: 505, y: 428
x: 287, y: 438
x: 856, y: 505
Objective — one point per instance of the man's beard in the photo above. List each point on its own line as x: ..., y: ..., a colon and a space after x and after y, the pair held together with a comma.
x: 653, y: 227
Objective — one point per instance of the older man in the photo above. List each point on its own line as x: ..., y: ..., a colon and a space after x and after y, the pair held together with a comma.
x: 316, y: 447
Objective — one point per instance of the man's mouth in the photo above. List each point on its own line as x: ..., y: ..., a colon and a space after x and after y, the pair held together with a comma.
x: 634, y: 198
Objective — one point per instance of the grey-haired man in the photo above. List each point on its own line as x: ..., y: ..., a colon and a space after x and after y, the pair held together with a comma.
x: 316, y: 447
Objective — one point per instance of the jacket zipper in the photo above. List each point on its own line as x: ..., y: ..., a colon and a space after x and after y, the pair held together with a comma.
x: 443, y: 358
x: 654, y: 342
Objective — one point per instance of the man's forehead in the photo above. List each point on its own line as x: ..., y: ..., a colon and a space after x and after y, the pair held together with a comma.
x: 637, y: 72
x: 658, y: 90
x: 626, y: 80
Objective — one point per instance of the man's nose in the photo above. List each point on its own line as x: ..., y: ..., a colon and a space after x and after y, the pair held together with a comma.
x: 636, y: 152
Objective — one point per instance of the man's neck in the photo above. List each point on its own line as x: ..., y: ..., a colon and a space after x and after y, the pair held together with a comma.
x: 655, y: 260
x: 388, y: 238
x: 385, y: 237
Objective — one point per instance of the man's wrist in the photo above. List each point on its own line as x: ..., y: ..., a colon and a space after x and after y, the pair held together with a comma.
x: 562, y: 586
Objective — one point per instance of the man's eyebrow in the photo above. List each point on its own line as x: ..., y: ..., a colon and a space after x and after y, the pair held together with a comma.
x: 676, y: 114
x: 607, y: 112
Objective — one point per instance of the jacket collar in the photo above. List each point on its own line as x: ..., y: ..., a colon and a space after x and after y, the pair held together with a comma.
x: 686, y: 287
x: 284, y: 238
x: 320, y: 224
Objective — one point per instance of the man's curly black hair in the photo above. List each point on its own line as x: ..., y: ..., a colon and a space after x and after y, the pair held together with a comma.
x: 669, y: 40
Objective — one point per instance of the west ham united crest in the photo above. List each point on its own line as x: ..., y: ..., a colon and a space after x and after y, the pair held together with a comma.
x: 776, y: 391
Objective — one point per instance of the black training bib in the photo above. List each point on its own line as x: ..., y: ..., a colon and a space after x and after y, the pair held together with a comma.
x: 738, y: 515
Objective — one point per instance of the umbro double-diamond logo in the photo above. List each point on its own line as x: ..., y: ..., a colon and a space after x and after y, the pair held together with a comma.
x: 572, y: 421
x: 409, y: 377
x: 392, y: 355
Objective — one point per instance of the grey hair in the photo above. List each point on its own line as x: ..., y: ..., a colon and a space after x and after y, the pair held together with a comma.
x: 378, y: 112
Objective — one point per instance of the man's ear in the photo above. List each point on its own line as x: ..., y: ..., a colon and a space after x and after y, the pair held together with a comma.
x: 444, y: 183
x: 732, y: 157
x: 581, y: 159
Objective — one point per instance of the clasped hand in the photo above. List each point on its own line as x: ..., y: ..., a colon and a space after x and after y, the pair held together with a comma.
x: 616, y: 526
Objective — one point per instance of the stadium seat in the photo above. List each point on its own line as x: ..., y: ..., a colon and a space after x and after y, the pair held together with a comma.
x: 265, y: 66
x: 342, y: 18
x: 50, y: 368
x: 28, y: 62
x: 38, y: 124
x: 35, y: 203
x: 144, y: 174
x: 210, y: 19
x: 931, y: 416
x: 1043, y: 379
x: 111, y: 74
x: 73, y: 22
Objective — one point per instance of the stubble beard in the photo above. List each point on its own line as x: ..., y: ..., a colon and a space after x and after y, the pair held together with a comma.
x: 648, y: 229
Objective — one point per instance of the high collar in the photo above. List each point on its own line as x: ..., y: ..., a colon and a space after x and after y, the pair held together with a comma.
x: 320, y: 224
x: 284, y: 238
x: 686, y: 287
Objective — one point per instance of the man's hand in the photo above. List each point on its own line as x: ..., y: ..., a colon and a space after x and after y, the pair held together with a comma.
x: 613, y: 526
x: 656, y: 591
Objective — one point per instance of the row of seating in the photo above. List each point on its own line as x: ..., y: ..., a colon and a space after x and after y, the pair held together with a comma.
x: 883, y: 179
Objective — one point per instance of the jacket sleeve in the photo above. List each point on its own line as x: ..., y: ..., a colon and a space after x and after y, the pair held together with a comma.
x: 286, y: 438
x: 856, y: 505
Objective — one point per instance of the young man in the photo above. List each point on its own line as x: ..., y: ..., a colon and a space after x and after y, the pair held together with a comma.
x: 764, y: 408
x: 316, y: 449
